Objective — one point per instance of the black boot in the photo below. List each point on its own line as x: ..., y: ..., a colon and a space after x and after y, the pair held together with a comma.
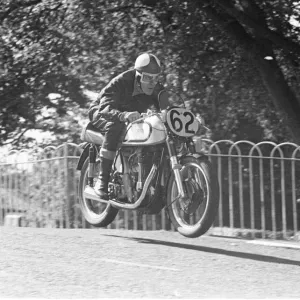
x: 101, y: 186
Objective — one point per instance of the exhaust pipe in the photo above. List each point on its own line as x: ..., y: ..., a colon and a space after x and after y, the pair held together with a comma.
x: 136, y: 204
x: 90, y: 194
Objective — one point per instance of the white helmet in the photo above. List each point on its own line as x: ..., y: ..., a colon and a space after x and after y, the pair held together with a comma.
x: 147, y: 63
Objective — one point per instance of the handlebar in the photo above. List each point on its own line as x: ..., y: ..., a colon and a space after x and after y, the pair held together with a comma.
x: 148, y: 114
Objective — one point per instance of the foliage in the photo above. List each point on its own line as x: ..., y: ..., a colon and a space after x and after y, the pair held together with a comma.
x: 34, y: 56
x: 65, y: 48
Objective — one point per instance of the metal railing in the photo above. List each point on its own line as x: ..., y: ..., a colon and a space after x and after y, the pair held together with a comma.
x: 259, y: 189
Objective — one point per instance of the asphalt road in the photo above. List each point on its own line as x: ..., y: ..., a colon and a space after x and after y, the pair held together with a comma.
x: 95, y: 263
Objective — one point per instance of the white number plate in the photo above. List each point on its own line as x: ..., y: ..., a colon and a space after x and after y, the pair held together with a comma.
x: 182, y: 122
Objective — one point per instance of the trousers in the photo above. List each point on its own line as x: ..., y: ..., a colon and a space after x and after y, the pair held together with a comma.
x: 113, y: 135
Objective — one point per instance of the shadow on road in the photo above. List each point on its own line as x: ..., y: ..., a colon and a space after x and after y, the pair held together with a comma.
x: 252, y: 256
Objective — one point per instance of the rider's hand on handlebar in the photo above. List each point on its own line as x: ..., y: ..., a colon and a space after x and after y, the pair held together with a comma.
x: 131, y: 116
x: 148, y: 113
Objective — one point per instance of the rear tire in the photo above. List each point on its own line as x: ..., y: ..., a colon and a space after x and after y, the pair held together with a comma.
x: 96, y: 213
x: 205, y: 199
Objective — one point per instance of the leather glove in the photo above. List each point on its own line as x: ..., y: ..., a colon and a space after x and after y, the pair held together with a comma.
x: 132, y: 116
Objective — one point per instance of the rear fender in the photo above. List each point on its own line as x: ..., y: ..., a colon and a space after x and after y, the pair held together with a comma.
x: 83, y: 156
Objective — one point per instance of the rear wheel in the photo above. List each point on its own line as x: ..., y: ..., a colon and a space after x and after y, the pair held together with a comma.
x: 96, y: 213
x: 194, y: 215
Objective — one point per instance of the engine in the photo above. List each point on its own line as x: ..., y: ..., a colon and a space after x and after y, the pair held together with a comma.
x: 136, y: 165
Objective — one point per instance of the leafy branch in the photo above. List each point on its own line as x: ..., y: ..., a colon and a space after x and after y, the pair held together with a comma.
x: 16, y: 6
x: 260, y: 29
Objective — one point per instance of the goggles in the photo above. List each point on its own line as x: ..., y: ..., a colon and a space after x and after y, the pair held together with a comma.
x: 149, y: 78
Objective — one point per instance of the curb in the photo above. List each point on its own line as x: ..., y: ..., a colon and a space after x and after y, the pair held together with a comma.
x: 281, y: 244
x: 253, y: 234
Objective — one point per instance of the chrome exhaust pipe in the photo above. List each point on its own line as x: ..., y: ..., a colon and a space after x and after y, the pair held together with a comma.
x: 90, y: 194
x: 142, y: 196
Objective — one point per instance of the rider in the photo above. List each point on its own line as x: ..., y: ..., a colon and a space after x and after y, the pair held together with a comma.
x: 123, y: 99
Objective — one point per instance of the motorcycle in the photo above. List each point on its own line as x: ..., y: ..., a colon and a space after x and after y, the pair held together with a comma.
x: 160, y: 164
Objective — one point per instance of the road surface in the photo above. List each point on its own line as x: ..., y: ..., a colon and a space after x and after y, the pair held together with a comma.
x: 95, y: 263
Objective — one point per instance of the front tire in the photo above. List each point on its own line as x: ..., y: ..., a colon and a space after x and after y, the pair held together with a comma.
x: 192, y: 217
x: 96, y: 213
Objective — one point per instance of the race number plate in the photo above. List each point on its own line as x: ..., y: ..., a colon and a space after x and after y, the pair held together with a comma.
x: 182, y: 122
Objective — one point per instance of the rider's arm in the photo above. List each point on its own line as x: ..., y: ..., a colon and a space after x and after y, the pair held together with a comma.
x: 93, y: 108
x: 107, y: 105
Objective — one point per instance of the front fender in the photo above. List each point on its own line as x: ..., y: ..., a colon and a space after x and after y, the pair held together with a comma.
x: 197, y: 155
x: 200, y: 155
x: 83, y: 157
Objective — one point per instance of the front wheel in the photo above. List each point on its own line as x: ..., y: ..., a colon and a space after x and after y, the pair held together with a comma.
x: 97, y: 213
x: 195, y: 214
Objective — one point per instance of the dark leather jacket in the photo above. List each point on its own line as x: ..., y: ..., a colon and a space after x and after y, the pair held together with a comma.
x: 121, y: 95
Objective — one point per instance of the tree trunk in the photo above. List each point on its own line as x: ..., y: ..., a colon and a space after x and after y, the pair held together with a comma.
x: 283, y: 97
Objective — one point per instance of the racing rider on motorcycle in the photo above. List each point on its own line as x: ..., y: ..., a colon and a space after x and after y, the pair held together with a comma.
x: 123, y: 99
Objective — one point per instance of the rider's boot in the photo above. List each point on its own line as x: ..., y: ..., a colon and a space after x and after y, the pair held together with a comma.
x: 101, y: 186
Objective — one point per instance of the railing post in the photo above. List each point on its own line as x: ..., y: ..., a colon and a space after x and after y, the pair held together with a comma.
x: 1, y: 198
x: 163, y: 219
x: 68, y: 204
x: 294, y: 199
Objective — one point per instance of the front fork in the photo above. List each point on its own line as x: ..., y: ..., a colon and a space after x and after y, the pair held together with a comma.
x: 176, y: 167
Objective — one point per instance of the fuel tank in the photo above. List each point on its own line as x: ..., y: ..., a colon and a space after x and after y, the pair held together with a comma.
x: 149, y: 132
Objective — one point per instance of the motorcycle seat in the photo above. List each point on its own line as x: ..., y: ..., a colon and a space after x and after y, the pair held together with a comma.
x: 91, y: 134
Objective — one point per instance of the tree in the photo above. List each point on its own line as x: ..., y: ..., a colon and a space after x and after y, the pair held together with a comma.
x: 197, y: 50
x: 264, y: 33
x: 217, y: 50
x: 35, y: 60
x: 262, y: 30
